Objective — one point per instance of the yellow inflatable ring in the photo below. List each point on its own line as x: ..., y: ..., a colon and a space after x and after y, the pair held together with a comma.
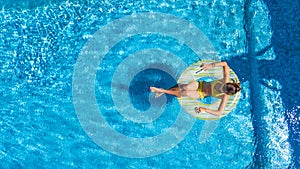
x: 192, y: 73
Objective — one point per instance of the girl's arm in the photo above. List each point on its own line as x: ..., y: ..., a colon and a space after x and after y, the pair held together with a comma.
x: 215, y: 112
x: 226, y: 75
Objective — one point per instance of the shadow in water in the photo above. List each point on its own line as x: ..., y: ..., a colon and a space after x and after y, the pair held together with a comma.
x: 285, y: 23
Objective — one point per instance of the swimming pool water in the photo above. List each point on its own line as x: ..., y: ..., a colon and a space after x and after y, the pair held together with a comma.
x: 39, y: 48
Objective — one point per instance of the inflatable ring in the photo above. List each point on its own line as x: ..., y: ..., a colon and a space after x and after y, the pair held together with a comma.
x: 193, y: 73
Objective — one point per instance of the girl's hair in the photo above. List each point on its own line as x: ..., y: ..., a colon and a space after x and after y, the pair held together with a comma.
x: 232, y: 87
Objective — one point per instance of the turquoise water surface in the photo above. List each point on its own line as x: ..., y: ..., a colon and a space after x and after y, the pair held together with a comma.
x: 42, y: 45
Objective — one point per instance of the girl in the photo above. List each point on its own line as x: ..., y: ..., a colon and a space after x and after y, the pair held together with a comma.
x: 221, y: 89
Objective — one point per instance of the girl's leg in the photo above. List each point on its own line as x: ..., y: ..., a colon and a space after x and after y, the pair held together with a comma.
x: 193, y: 86
x: 173, y: 91
x: 158, y: 94
x: 191, y: 94
x: 190, y: 90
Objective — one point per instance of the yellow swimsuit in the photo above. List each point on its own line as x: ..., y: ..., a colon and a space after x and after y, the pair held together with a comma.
x: 201, y: 94
x: 214, y: 93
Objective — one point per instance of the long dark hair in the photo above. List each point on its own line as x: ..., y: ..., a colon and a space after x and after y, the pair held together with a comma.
x: 232, y: 87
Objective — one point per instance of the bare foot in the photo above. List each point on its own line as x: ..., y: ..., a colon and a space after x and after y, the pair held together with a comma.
x: 158, y: 94
x: 155, y: 90
x: 158, y: 91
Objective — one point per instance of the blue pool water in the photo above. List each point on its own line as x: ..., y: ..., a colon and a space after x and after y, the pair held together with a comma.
x: 41, y: 44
